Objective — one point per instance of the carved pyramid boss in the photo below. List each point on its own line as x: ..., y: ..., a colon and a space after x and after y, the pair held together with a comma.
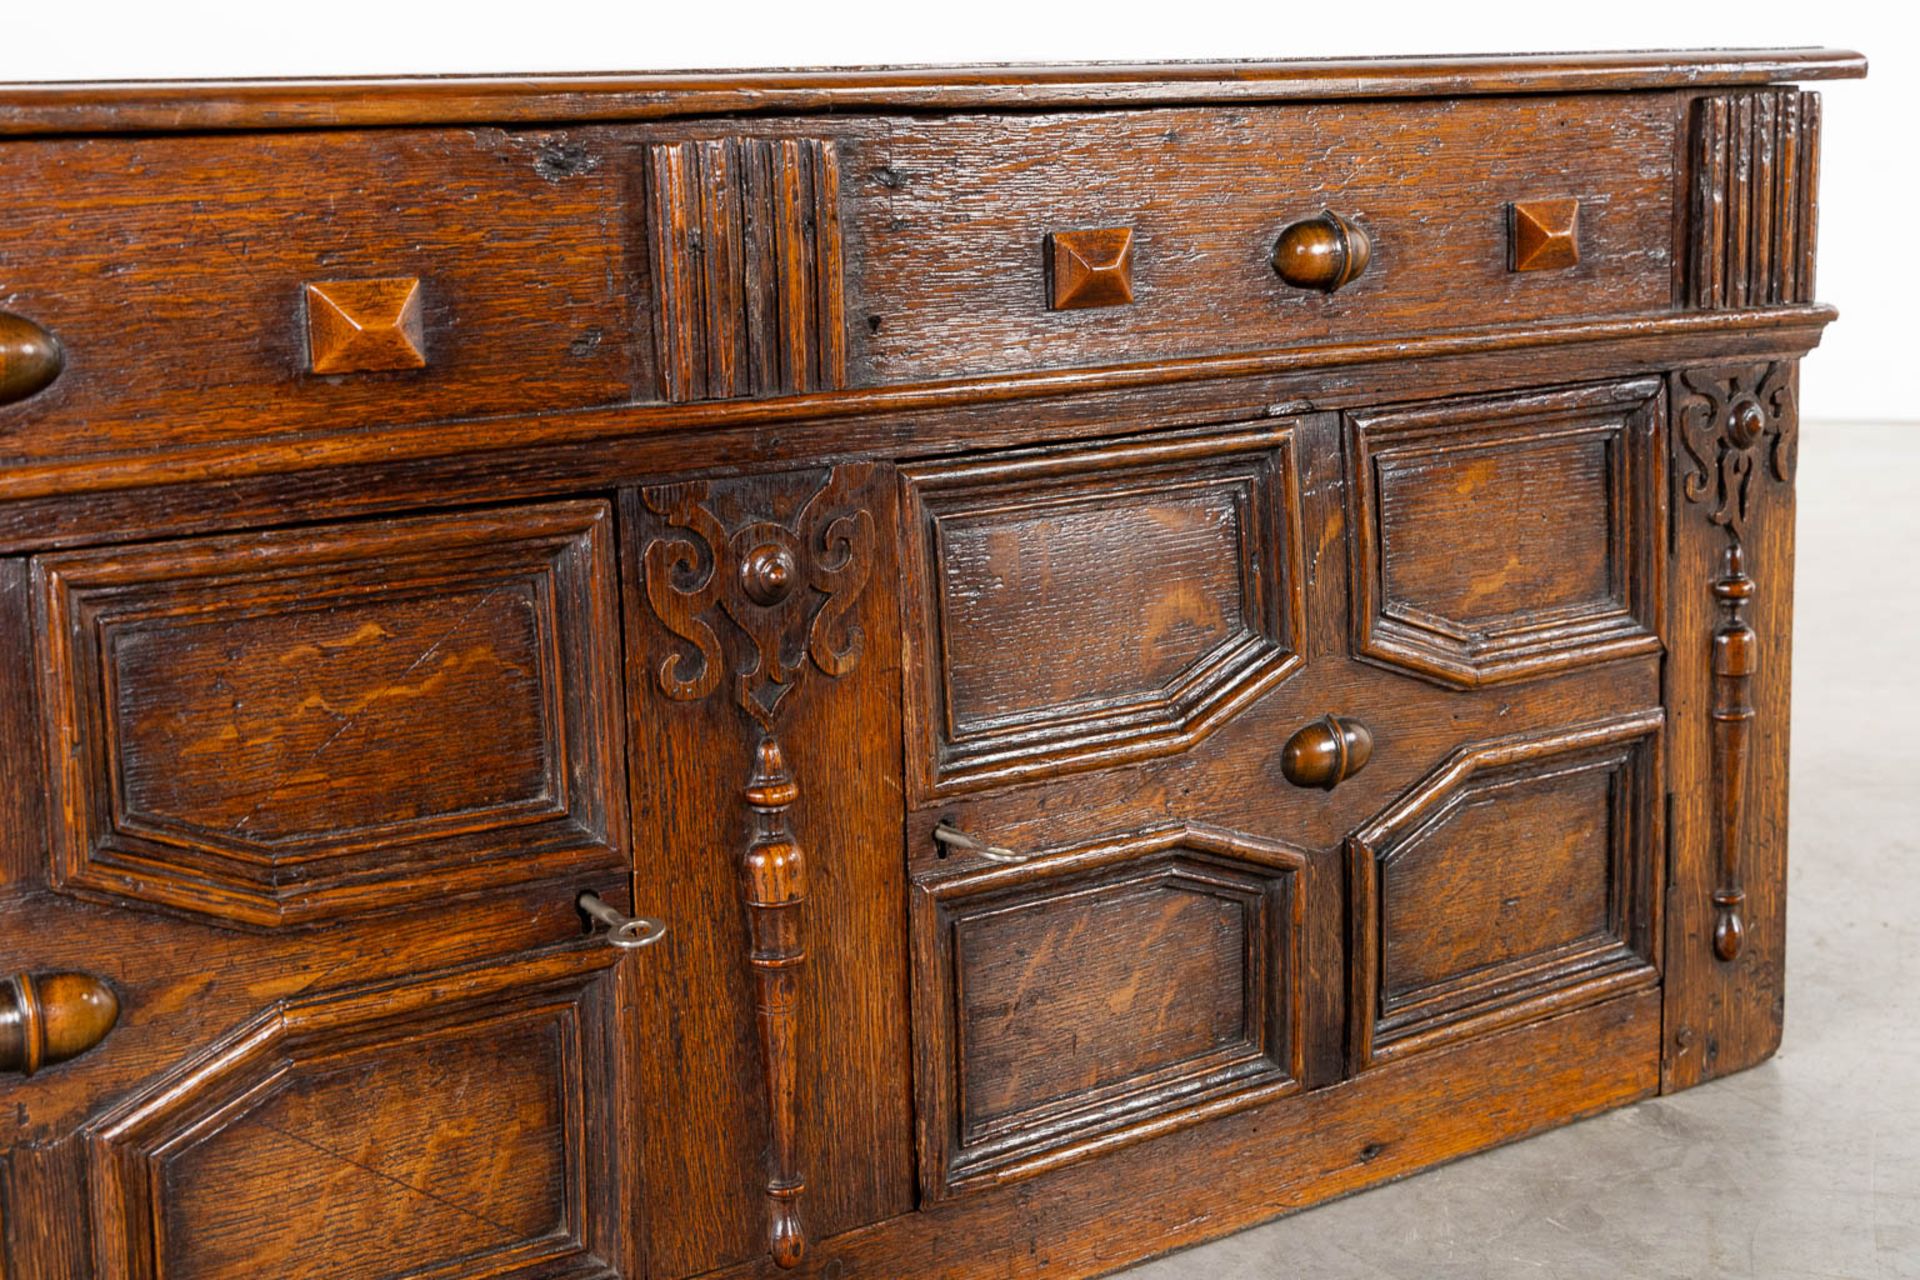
x: 877, y: 673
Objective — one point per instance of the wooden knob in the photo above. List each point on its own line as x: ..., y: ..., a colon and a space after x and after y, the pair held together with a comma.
x: 1326, y: 753
x: 1324, y: 253
x: 30, y: 358
x: 50, y: 1017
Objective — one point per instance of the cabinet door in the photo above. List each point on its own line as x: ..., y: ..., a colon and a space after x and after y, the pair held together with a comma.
x: 1247, y: 758
x: 294, y: 980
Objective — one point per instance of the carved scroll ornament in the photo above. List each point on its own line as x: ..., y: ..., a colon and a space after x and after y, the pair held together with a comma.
x: 1735, y: 423
x: 1738, y: 427
x: 781, y: 591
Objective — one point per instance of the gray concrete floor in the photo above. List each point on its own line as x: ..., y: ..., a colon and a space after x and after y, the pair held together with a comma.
x: 1809, y: 1165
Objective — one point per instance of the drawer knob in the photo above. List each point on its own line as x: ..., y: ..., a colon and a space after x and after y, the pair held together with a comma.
x: 30, y: 358
x: 50, y: 1017
x: 1324, y: 253
x: 1326, y: 752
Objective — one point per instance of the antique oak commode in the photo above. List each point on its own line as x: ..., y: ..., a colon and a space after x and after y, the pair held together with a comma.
x: 973, y: 673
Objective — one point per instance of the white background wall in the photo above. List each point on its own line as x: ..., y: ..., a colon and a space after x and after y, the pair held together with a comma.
x: 1870, y: 196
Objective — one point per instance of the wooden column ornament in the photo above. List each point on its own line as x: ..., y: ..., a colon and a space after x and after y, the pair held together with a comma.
x: 1735, y: 424
x: 786, y: 589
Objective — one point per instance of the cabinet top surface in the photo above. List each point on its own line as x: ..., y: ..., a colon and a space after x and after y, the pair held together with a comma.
x: 144, y: 106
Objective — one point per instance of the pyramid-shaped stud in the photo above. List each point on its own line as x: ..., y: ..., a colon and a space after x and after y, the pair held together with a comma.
x: 1545, y: 234
x: 1091, y: 268
x: 363, y: 326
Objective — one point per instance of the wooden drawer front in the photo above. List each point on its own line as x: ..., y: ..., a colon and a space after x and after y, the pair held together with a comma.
x: 465, y: 1124
x: 952, y: 232
x: 1101, y: 994
x: 282, y: 727
x: 175, y: 272
x: 1508, y: 537
x: 1520, y: 878
x: 1085, y: 607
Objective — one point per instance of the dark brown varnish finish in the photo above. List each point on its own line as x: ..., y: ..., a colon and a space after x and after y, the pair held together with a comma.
x: 1164, y: 643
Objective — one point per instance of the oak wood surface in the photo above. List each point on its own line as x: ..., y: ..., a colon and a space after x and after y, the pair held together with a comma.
x: 1098, y: 775
x: 346, y: 100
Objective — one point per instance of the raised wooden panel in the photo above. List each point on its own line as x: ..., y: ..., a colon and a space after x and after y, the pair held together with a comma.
x: 468, y: 1124
x: 1519, y: 879
x: 1502, y: 538
x: 1072, y: 608
x: 1101, y: 994
x: 282, y: 727
x: 1754, y: 198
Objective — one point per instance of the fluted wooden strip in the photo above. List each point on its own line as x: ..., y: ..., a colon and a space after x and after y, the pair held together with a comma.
x: 1809, y: 201
x: 745, y: 241
x: 1752, y: 214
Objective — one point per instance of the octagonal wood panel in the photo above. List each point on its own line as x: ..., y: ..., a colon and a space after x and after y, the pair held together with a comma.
x: 283, y: 727
x: 1079, y: 607
x: 466, y: 1124
x: 1102, y: 994
x: 1506, y: 537
x: 1519, y: 879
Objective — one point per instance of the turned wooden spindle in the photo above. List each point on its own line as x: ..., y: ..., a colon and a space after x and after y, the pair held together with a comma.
x: 1735, y: 659
x: 774, y: 887
x: 30, y: 358
x: 1324, y: 253
x: 50, y: 1017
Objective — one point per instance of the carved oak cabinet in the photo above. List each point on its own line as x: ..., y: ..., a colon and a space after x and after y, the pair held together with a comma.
x: 962, y: 673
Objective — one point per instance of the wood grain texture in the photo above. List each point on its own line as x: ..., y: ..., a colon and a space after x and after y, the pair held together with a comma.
x: 177, y: 270
x: 1496, y: 540
x: 284, y: 727
x: 348, y: 100
x: 483, y: 1121
x: 784, y: 586
x: 1123, y: 655
x: 744, y: 242
x: 1735, y: 441
x: 1753, y: 216
x: 708, y: 1170
x: 1140, y: 1202
x: 1314, y: 673
x: 1101, y: 994
x: 944, y: 234
x: 649, y: 440
x: 1520, y: 879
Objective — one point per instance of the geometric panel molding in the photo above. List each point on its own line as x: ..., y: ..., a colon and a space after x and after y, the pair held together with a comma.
x: 1102, y: 994
x: 1036, y: 649
x: 255, y: 727
x: 470, y: 1124
x: 360, y: 326
x: 1507, y: 537
x: 743, y: 237
x: 1518, y: 880
x: 1753, y: 215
